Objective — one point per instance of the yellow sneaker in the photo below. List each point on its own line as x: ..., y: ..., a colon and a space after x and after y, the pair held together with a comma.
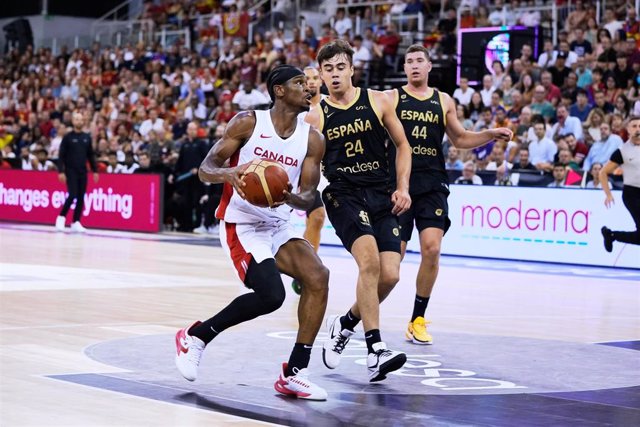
x: 417, y: 332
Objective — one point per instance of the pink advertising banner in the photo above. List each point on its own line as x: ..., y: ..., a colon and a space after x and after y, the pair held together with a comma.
x: 116, y: 202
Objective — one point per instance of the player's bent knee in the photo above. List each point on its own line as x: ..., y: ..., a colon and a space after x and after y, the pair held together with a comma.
x: 317, y: 280
x: 274, y: 299
x: 430, y: 252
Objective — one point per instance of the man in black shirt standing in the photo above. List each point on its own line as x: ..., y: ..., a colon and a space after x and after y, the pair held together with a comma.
x: 192, y: 153
x: 75, y: 151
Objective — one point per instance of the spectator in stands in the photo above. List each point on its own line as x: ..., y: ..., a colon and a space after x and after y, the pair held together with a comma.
x: 496, y: 101
x: 152, y: 123
x: 578, y: 17
x: 464, y: 92
x: 463, y: 116
x: 542, y: 149
x: 487, y: 89
x: 342, y: 23
x: 585, y: 77
x: 580, y: 45
x: 43, y: 163
x: 559, y: 71
x: 497, y: 158
x: 579, y: 150
x: 592, y: 126
x: 617, y: 126
x: 498, y: 74
x: 594, y: 172
x: 623, y: 73
x: 129, y: 165
x: 581, y: 108
x: 526, y: 86
x: 484, y: 121
x: 600, y: 102
x: 361, y: 59
x: 566, y: 158
x: 559, y: 173
x: 469, y: 175
x: 553, y: 92
x: 249, y: 98
x: 453, y: 161
x: 524, y: 164
x: 476, y: 106
x: 622, y: 106
x: 447, y: 28
x: 389, y: 41
x: 516, y: 70
x: 112, y: 163
x: 547, y: 58
x: 507, y: 91
x: 567, y: 124
x: 611, y: 91
x: 521, y: 123
x: 540, y: 105
x: 611, y: 23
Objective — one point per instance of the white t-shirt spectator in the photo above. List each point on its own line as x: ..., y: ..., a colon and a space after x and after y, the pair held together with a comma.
x: 542, y: 151
x: 200, y: 112
x: 475, y: 180
x: 147, y: 126
x: 486, y: 95
x: 464, y: 97
x: 361, y: 58
x: 343, y: 25
x: 247, y: 101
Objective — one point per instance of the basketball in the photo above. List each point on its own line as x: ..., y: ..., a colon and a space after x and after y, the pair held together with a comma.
x: 265, y: 181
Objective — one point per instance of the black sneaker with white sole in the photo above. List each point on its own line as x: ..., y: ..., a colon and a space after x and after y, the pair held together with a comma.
x: 382, y: 361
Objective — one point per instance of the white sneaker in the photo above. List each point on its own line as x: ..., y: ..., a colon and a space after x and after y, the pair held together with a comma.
x: 382, y: 361
x: 298, y: 385
x: 76, y: 227
x: 334, y: 345
x: 200, y: 230
x: 60, y: 223
x: 189, y: 349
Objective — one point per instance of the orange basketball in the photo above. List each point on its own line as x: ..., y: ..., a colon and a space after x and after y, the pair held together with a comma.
x: 265, y: 181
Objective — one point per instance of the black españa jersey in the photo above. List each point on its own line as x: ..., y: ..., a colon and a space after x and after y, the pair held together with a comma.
x: 424, y: 125
x: 355, y: 151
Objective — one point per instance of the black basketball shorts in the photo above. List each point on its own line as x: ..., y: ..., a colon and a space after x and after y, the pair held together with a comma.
x: 428, y: 210
x: 356, y: 212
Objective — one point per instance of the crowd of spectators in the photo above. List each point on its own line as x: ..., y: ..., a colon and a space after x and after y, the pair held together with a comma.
x: 568, y: 106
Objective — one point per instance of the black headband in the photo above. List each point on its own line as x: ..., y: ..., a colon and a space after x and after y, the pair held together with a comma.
x: 280, y: 75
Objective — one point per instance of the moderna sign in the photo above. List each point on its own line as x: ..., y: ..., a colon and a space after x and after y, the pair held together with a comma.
x: 118, y: 201
x: 533, y: 224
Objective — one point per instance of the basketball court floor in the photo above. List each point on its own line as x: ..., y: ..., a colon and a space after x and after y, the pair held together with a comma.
x: 87, y: 325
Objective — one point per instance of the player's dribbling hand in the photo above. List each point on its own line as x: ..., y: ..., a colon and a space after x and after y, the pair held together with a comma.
x: 236, y: 178
x: 502, y: 134
x: 287, y: 197
x: 608, y: 202
x: 401, y: 202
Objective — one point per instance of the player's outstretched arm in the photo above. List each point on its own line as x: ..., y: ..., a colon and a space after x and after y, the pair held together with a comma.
x: 309, y: 173
x: 461, y: 138
x: 400, y: 198
x: 213, y: 167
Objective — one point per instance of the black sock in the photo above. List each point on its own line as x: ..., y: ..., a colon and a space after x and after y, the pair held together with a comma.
x: 372, y: 337
x: 419, y: 307
x: 349, y: 321
x: 299, y: 358
x: 205, y: 331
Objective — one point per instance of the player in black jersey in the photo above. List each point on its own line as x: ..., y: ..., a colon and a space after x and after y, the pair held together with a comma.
x: 426, y: 114
x: 360, y: 203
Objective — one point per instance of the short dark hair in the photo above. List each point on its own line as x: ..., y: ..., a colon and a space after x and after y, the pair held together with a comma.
x: 334, y: 48
x: 417, y: 47
x: 633, y: 119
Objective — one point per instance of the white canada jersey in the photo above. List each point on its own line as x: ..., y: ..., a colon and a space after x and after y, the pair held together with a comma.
x: 265, y: 143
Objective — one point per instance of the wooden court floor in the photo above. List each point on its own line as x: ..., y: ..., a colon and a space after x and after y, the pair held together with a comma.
x: 61, y: 294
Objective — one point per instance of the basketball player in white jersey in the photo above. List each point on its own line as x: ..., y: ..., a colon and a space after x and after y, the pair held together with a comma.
x: 316, y: 214
x: 261, y: 241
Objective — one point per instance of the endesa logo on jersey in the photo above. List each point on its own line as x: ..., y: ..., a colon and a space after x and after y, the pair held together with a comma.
x: 271, y: 155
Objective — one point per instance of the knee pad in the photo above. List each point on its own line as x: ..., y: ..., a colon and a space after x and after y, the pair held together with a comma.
x: 264, y: 278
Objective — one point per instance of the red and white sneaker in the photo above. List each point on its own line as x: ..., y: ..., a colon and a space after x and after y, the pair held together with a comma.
x: 298, y: 385
x: 189, y: 349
